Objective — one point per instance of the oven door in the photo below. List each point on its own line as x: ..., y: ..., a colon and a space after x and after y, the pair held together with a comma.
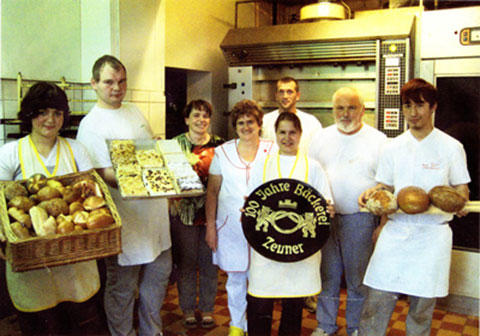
x: 458, y: 114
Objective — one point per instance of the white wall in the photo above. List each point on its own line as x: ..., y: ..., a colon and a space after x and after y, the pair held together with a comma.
x: 194, y: 30
x: 41, y: 39
x: 141, y: 45
x: 99, y: 33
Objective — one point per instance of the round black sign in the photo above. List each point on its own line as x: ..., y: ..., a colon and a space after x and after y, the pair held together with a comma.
x: 286, y: 220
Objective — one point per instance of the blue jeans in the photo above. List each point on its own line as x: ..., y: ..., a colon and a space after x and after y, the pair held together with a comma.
x: 121, y: 288
x: 191, y: 253
x: 346, y: 251
x: 379, y: 307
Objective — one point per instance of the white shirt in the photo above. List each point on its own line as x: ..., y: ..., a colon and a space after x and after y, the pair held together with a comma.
x: 350, y: 162
x: 232, y: 251
x: 145, y: 223
x: 44, y: 288
x: 412, y: 254
x: 310, y: 125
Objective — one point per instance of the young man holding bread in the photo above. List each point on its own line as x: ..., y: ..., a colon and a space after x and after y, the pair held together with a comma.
x: 348, y: 151
x: 145, y: 262
x: 412, y: 253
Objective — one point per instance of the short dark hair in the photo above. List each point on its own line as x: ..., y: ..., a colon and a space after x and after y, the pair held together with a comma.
x: 106, y: 59
x: 416, y: 89
x: 288, y: 80
x: 198, y: 104
x: 40, y: 96
x: 246, y: 107
x: 289, y: 116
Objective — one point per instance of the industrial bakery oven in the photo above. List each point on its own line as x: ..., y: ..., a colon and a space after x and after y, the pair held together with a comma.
x: 372, y: 52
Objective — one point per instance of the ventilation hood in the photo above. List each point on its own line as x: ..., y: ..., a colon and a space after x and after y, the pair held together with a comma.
x: 313, y: 42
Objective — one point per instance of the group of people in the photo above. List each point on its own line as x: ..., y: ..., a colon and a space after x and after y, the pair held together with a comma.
x: 346, y: 162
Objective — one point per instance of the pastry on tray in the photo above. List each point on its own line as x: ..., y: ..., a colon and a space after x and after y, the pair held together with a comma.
x: 149, y: 158
x: 132, y: 186
x: 158, y: 182
x: 168, y: 146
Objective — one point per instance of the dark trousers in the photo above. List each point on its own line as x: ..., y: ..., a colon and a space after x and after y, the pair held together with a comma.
x: 67, y: 318
x: 259, y: 316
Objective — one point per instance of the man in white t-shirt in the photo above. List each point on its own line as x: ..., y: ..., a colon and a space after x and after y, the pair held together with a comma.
x: 145, y: 262
x: 348, y: 151
x: 287, y: 95
x: 413, y: 251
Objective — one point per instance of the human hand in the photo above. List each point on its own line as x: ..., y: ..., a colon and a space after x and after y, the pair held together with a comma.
x: 330, y: 209
x: 211, y: 237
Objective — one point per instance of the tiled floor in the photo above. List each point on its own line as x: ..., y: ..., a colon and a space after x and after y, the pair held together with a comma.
x: 444, y: 323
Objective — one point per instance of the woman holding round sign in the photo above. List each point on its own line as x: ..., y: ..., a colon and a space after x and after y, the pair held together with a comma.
x: 286, y: 220
x: 230, y: 172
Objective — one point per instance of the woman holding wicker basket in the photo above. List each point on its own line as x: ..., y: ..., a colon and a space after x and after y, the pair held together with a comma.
x: 55, y: 300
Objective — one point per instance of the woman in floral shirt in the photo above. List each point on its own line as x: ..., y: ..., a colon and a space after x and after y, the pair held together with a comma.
x: 188, y: 221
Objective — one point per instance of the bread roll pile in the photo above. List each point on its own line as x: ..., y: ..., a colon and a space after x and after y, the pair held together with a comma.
x: 45, y: 207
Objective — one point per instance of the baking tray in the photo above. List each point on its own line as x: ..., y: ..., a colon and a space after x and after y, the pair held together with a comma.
x: 145, y: 144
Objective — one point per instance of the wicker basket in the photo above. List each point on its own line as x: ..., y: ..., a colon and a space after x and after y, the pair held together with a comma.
x: 39, y: 252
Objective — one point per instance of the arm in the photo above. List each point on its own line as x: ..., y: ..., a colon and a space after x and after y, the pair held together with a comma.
x: 364, y: 196
x: 463, y: 190
x: 211, y: 202
x: 108, y: 175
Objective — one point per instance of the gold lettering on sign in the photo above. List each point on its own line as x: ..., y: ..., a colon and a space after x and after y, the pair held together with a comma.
x: 272, y: 246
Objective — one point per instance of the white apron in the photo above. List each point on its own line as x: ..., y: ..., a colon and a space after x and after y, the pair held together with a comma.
x: 268, y: 278
x: 42, y: 289
x: 232, y: 250
x: 411, y: 258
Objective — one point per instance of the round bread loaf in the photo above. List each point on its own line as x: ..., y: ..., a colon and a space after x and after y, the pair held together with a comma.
x: 413, y: 200
x: 382, y: 202
x: 446, y: 198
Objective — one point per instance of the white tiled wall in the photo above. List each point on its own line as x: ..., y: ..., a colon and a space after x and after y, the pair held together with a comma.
x: 152, y: 104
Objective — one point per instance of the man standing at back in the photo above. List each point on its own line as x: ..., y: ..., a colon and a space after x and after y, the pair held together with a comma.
x: 287, y: 95
x: 145, y: 262
x: 349, y: 152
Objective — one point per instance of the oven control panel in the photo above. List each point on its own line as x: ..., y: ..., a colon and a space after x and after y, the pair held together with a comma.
x: 470, y: 36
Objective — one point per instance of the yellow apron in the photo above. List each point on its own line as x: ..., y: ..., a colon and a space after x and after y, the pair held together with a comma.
x: 42, y: 289
x: 269, y: 278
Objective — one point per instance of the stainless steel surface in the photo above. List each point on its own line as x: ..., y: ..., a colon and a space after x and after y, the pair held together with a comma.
x: 442, y: 33
x: 314, y: 41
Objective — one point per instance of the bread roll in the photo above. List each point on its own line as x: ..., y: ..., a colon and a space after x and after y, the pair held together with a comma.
x: 71, y: 195
x: 382, y: 202
x: 447, y: 198
x: 56, y: 185
x: 93, y: 202
x: 47, y: 193
x: 75, y: 206
x: 88, y: 187
x: 64, y: 224
x: 80, y: 218
x: 13, y: 189
x: 35, y: 183
x: 413, y: 200
x: 20, y: 216
x: 19, y: 230
x: 99, y: 219
x: 39, y: 217
x: 55, y: 207
x: 21, y: 202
